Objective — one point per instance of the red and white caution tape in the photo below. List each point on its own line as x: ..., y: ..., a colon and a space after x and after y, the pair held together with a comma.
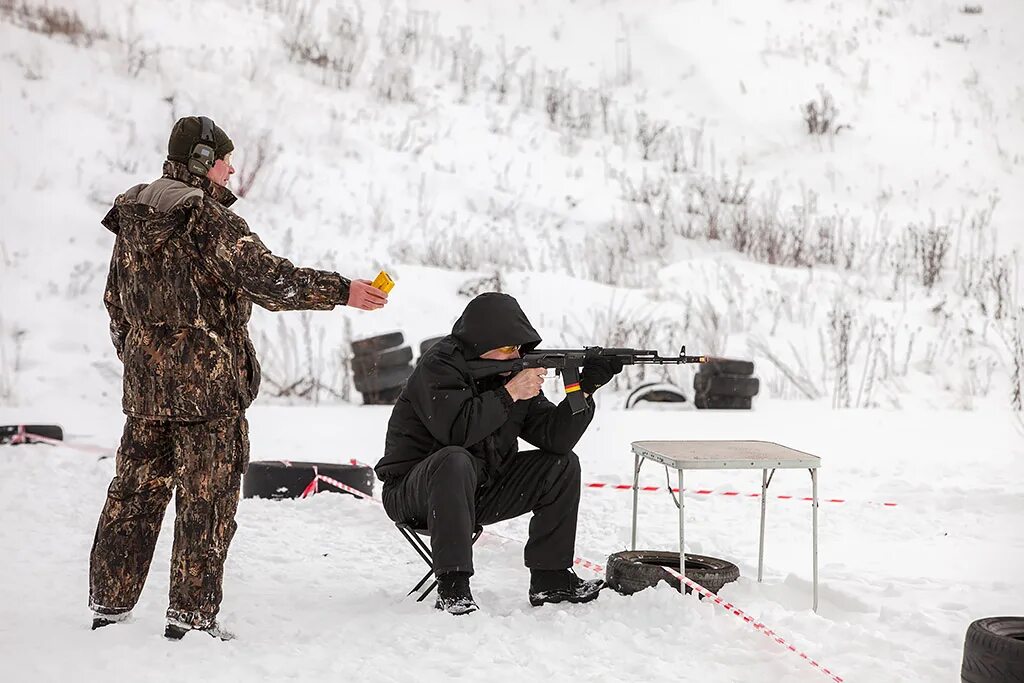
x: 19, y: 436
x: 587, y: 564
x: 697, y: 492
x: 712, y: 492
x: 732, y: 609
x: 28, y: 437
x: 314, y: 485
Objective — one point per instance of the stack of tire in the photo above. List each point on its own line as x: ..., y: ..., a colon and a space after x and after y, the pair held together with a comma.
x: 380, y: 367
x: 725, y: 384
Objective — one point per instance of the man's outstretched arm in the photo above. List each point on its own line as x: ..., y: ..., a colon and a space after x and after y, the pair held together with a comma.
x: 238, y: 257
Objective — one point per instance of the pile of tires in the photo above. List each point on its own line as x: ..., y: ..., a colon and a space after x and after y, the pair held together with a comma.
x: 632, y: 571
x: 725, y: 384
x: 380, y: 367
x: 994, y: 651
x: 278, y: 479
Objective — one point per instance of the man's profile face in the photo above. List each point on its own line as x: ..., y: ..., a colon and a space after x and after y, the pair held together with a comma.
x: 221, y: 171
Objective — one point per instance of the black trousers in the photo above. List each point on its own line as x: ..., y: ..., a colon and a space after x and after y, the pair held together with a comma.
x: 441, y: 494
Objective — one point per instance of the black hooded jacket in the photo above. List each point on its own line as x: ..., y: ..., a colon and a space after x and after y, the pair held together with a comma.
x: 442, y: 405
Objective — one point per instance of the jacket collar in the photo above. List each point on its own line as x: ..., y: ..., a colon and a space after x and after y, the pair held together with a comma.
x: 179, y: 171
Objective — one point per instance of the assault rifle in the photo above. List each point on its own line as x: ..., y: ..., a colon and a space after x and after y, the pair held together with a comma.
x: 568, y: 362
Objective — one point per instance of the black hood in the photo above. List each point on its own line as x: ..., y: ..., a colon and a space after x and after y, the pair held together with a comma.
x: 492, y: 320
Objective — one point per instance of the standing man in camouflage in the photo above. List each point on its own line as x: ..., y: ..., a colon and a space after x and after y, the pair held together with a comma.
x: 184, y: 275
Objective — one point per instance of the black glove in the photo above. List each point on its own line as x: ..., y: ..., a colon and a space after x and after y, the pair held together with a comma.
x: 597, y: 372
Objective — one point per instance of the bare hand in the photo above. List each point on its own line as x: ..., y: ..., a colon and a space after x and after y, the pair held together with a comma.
x: 526, y: 384
x: 363, y: 295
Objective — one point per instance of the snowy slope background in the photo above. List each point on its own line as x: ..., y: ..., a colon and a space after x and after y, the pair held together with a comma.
x: 636, y: 174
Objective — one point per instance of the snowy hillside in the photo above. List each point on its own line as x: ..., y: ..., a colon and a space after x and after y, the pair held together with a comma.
x: 829, y: 189
x: 452, y: 144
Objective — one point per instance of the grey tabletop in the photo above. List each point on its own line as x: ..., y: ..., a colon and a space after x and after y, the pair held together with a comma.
x: 724, y: 455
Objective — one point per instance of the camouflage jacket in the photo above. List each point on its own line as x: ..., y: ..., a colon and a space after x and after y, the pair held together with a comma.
x: 183, y: 277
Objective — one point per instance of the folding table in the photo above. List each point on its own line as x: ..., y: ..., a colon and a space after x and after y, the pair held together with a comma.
x: 728, y: 455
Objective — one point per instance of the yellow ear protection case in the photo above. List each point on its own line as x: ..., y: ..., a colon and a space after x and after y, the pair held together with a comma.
x: 383, y: 282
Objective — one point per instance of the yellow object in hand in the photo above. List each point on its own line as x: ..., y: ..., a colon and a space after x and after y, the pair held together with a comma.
x: 383, y: 282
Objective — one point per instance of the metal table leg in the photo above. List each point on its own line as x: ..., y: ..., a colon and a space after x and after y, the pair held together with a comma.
x: 636, y: 484
x: 814, y: 531
x: 760, y: 543
x: 682, y: 547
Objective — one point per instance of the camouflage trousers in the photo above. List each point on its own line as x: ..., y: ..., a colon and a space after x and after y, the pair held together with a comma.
x: 201, y: 461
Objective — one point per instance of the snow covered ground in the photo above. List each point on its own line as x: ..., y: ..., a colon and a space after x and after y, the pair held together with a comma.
x: 512, y: 144
x: 314, y: 588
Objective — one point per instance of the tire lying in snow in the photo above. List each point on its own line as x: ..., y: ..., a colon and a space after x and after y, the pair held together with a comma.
x: 279, y: 479
x: 15, y: 433
x: 994, y: 651
x: 634, y: 570
x: 656, y: 392
x: 362, y: 347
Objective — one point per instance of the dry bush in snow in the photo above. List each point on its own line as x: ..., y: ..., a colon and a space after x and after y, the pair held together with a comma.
x: 820, y: 115
x: 256, y: 159
x: 338, y: 51
x: 12, y: 340
x: 457, y: 244
x: 300, y: 364
x: 50, y: 21
x: 930, y: 247
x: 624, y: 326
x: 649, y: 134
x: 1015, y: 342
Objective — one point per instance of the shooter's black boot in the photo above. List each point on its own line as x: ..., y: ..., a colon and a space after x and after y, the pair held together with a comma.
x: 561, y: 585
x: 453, y: 594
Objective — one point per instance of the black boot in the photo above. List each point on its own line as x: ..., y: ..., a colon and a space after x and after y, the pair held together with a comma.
x: 177, y: 631
x: 101, y: 619
x: 453, y: 594
x: 561, y: 585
